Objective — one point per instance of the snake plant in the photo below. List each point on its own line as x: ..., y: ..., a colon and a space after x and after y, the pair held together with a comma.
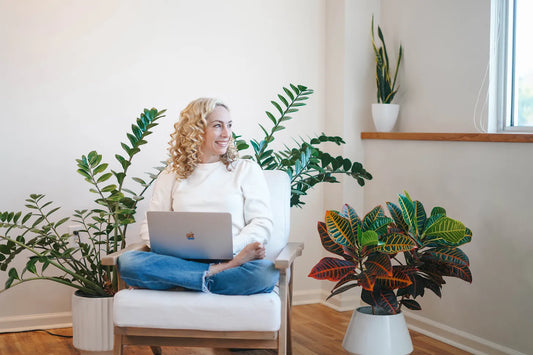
x: 385, y: 84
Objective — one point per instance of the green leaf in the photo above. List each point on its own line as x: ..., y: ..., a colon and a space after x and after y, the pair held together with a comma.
x: 125, y: 164
x: 100, y: 168
x: 92, y: 158
x: 84, y: 173
x: 26, y: 218
x: 347, y: 164
x: 289, y: 93
x: 284, y: 100
x: 61, y: 221
x: 13, y: 274
x: 104, y: 178
x: 109, y: 188
x: 370, y: 217
x: 339, y: 229
x: 368, y: 238
x: 420, y: 216
x: 271, y: 116
x: 116, y: 196
x: 133, y: 140
x: 30, y: 266
x: 276, y: 105
x: 353, y: 218
x: 381, y: 225
x: 136, y: 130
x: 9, y: 282
x: 140, y: 181
x: 446, y: 228
x: 396, y: 214
x: 438, y: 211
x: 408, y: 213
x: 295, y: 89
x: 395, y: 243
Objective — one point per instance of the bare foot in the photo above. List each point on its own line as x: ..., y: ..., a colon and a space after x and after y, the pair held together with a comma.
x: 250, y: 252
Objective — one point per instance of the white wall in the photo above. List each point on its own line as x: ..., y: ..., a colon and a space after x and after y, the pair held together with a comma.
x: 485, y: 185
x: 76, y: 74
x: 446, y: 49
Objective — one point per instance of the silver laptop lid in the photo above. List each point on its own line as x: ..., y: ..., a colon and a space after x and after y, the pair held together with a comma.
x: 191, y: 235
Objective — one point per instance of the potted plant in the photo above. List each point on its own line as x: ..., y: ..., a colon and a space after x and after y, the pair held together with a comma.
x: 394, y: 260
x: 305, y: 163
x: 384, y: 112
x: 75, y: 254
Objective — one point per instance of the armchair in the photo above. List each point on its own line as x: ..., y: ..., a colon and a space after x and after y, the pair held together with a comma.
x: 187, y: 318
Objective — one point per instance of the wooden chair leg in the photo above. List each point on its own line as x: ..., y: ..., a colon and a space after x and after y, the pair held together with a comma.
x: 289, y: 312
x: 289, y: 335
x: 156, y: 350
x: 117, y: 344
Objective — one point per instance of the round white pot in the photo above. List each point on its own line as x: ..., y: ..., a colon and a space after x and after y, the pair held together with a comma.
x: 370, y: 334
x: 92, y: 324
x: 385, y: 116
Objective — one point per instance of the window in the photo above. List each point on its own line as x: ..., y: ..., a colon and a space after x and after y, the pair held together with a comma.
x: 511, y: 93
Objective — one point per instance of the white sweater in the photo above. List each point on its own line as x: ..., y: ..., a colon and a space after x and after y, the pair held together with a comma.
x: 243, y: 192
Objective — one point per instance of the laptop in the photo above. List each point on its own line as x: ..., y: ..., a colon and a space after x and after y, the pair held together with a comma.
x: 202, y: 236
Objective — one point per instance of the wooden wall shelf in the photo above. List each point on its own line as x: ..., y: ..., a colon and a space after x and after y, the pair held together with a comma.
x: 460, y: 137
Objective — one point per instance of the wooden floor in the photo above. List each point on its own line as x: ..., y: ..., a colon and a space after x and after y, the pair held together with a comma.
x: 317, y: 330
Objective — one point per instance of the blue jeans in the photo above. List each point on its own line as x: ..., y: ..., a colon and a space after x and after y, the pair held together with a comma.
x: 163, y: 272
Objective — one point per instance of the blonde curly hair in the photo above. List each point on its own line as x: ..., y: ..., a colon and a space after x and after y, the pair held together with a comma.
x: 188, y: 136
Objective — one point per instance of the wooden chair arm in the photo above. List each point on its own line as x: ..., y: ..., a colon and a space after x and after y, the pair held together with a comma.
x: 287, y: 255
x: 111, y: 259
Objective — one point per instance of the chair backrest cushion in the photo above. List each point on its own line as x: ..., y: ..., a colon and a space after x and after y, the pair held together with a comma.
x: 280, y: 197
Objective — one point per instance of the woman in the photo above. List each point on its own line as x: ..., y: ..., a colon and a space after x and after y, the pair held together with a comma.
x: 204, y: 174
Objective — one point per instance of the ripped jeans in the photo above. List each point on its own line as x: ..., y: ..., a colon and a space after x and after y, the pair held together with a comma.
x: 163, y: 272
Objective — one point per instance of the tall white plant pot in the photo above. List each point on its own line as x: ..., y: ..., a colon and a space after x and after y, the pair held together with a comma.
x: 92, y: 324
x: 385, y: 116
x: 370, y: 334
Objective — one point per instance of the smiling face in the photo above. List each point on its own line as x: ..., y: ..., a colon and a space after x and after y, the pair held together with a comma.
x: 217, y: 135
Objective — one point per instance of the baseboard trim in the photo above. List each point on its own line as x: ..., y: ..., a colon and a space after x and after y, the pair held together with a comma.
x: 462, y: 340
x: 307, y: 297
x: 35, y: 321
x: 341, y: 303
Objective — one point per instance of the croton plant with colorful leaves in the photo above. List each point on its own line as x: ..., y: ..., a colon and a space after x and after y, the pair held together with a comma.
x: 393, y: 259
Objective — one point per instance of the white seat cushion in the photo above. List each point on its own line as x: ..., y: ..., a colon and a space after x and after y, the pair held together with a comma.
x: 197, y: 310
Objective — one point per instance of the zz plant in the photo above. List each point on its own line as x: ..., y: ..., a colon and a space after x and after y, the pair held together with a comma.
x: 102, y: 230
x: 394, y: 260
x: 305, y: 163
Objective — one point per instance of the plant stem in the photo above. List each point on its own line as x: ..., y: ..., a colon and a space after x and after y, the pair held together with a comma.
x: 59, y: 266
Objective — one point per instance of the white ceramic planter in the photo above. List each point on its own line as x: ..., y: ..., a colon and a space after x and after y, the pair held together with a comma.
x: 385, y: 116
x: 370, y: 334
x: 92, y: 324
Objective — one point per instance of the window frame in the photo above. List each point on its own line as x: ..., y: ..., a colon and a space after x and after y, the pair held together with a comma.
x: 501, y: 91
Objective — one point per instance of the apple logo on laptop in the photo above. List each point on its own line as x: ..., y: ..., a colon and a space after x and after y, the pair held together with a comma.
x: 190, y: 235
